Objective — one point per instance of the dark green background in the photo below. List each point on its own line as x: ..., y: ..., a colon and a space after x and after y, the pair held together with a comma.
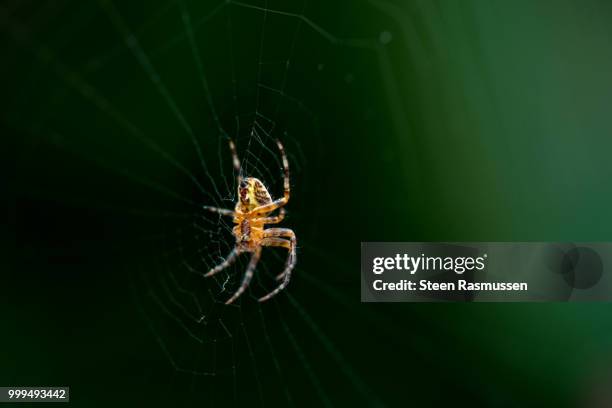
x: 477, y: 121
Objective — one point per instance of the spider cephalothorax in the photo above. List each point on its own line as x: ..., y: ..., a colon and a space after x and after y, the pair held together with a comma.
x: 251, y: 214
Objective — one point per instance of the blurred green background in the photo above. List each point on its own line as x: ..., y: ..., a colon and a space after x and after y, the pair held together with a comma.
x: 403, y: 121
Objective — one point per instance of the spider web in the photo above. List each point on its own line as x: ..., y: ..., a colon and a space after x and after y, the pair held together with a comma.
x: 237, y: 84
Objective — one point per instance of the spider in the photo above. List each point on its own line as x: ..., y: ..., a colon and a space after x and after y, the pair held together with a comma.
x: 251, y: 214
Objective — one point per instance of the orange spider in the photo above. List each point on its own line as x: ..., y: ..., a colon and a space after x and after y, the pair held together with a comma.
x: 251, y: 214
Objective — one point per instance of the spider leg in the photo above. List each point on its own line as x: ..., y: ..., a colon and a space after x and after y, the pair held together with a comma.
x: 279, y: 232
x: 286, y: 233
x: 277, y: 242
x: 235, y: 161
x: 247, y: 276
x: 230, y: 259
x: 285, y: 199
x: 222, y: 211
x: 271, y: 235
x: 271, y: 220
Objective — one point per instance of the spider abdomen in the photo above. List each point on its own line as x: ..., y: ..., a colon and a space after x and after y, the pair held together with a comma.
x: 252, y: 194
